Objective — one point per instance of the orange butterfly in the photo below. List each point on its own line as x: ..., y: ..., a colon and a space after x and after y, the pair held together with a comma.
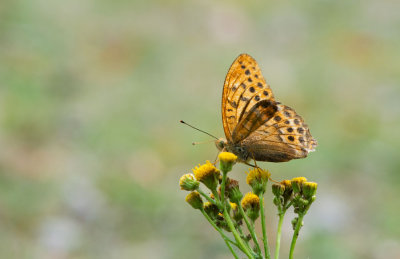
x: 255, y: 125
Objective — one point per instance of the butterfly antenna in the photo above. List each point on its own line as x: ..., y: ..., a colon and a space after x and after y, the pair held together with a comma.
x: 199, y: 129
x: 201, y: 142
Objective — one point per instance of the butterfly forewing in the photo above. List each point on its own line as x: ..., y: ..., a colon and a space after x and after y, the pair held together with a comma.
x: 259, y: 114
x: 244, y: 87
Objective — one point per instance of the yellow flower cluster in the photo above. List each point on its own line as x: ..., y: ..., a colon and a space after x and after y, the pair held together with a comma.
x: 227, y: 157
x: 227, y: 160
x: 257, y: 174
x: 250, y: 200
x: 201, y: 172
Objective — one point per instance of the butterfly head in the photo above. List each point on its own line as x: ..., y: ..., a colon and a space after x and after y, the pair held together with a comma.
x: 220, y: 143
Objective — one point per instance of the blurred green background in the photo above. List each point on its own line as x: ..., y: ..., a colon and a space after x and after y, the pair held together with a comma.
x: 91, y: 149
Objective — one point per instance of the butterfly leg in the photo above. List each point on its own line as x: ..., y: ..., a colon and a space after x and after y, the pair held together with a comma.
x: 216, y: 159
x: 250, y: 165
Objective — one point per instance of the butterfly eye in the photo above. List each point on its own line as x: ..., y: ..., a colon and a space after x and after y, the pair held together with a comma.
x: 220, y: 143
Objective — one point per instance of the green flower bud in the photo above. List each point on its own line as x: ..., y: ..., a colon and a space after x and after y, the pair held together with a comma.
x: 232, y: 190
x: 287, y: 194
x: 258, y: 178
x: 297, y: 183
x: 251, y: 205
x: 278, y: 189
x: 236, y: 213
x: 211, y: 209
x: 188, y: 182
x: 194, y: 200
x: 309, y: 189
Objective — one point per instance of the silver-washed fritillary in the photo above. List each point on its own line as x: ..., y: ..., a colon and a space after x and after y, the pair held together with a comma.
x: 255, y: 125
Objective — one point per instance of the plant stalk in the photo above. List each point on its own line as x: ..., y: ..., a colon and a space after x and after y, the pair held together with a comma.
x: 278, y: 234
x: 240, y: 242
x: 296, y: 235
x: 265, y: 239
x: 249, y: 227
x: 226, y: 239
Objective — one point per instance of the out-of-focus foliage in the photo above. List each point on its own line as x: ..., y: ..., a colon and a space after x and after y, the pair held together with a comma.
x: 91, y: 150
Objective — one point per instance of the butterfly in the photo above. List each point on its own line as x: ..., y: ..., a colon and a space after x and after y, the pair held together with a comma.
x: 256, y: 126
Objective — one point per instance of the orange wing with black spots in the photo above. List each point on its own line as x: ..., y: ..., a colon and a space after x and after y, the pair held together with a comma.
x: 284, y: 137
x: 245, y: 90
x: 255, y: 125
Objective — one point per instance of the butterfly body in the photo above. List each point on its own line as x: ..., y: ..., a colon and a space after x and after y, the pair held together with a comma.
x: 256, y: 126
x: 240, y: 151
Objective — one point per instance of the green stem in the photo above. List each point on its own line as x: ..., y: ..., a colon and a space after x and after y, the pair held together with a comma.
x: 285, y: 207
x: 250, y: 227
x: 296, y: 234
x: 243, y: 236
x: 218, y: 201
x: 226, y: 239
x: 265, y: 239
x: 240, y: 242
x: 223, y: 187
x: 278, y: 234
x: 231, y: 249
x: 207, y: 197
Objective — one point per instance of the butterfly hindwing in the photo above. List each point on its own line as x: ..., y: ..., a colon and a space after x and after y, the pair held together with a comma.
x: 244, y: 87
x: 282, y: 138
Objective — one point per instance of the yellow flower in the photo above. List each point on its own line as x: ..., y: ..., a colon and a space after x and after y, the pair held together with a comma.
x: 188, y: 182
x: 233, y: 205
x: 257, y: 178
x: 227, y: 157
x: 208, y: 174
x: 309, y: 189
x: 286, y: 183
x: 250, y: 200
x: 251, y: 204
x: 297, y: 183
x: 257, y: 174
x: 227, y: 160
x: 194, y: 200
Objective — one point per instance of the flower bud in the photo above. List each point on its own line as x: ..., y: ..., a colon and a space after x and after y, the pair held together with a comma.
x: 287, y: 194
x: 278, y: 189
x: 227, y: 160
x: 232, y: 190
x: 188, y: 182
x: 251, y: 205
x: 294, y: 223
x: 211, y: 209
x: 297, y: 183
x: 208, y: 174
x: 309, y: 189
x: 235, y: 211
x: 257, y: 178
x: 194, y: 200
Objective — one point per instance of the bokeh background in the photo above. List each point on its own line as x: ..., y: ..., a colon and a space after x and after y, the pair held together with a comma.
x: 91, y: 149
